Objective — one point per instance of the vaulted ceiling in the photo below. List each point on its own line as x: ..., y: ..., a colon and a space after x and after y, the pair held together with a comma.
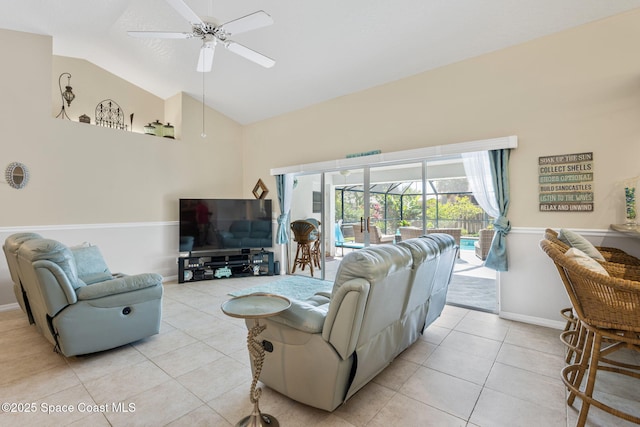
x: 323, y: 49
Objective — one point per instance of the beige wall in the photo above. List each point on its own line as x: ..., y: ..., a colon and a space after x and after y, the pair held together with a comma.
x: 84, y: 174
x: 574, y: 91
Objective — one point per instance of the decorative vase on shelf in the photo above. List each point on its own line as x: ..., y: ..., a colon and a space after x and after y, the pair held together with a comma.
x: 630, y: 206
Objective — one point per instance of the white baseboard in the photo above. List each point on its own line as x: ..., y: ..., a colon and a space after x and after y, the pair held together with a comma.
x: 553, y: 324
x: 9, y: 307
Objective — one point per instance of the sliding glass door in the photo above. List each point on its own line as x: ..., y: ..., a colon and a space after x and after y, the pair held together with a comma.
x: 378, y: 202
x: 351, y: 208
x: 411, y: 191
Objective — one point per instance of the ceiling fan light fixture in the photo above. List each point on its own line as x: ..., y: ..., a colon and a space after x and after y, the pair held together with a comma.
x: 205, y: 61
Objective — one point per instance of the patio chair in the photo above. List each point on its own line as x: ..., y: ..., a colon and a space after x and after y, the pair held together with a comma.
x: 482, y: 246
x: 607, y: 307
x: 375, y: 235
x: 358, y: 233
x: 407, y: 233
x: 348, y: 233
x: 377, y: 238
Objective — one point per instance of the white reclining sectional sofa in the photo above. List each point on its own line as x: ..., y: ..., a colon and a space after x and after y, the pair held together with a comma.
x: 324, y: 349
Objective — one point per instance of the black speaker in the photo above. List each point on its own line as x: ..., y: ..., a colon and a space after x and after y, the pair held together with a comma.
x: 276, y: 268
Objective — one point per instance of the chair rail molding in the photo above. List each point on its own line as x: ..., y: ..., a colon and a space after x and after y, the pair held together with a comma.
x: 150, y: 247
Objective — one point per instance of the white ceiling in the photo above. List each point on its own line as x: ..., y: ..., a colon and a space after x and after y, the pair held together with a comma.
x: 323, y: 49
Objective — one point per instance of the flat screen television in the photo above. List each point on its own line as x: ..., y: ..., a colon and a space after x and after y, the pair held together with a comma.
x: 208, y: 225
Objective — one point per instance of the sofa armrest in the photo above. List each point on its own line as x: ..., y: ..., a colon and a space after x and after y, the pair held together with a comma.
x: 323, y: 294
x: 303, y: 316
x: 119, y: 286
x: 344, y: 318
x: 56, y: 288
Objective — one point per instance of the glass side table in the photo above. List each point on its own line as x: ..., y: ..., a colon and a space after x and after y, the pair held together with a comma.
x: 256, y: 306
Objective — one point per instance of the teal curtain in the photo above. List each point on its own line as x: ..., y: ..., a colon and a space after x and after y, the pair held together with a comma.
x: 284, y: 185
x: 499, y: 162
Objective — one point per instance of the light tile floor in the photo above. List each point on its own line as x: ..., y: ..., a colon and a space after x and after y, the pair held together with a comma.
x: 469, y: 369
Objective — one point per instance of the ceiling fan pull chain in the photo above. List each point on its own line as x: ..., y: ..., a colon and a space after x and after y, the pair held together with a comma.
x: 203, y: 135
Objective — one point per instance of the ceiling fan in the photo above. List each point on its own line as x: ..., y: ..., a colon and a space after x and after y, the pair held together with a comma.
x: 212, y: 35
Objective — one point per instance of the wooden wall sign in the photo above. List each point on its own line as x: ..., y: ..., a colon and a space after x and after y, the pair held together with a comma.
x: 566, y: 183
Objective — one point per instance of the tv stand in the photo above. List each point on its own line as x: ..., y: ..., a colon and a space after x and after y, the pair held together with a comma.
x: 219, y: 266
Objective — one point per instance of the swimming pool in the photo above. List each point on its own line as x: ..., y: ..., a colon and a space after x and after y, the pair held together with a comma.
x: 467, y: 243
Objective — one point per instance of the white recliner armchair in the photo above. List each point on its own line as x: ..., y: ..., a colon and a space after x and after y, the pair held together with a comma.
x: 78, y: 305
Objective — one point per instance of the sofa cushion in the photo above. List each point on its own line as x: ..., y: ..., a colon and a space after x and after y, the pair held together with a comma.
x: 303, y: 316
x: 54, y: 251
x: 10, y: 247
x: 90, y: 264
x: 372, y: 264
x: 13, y: 242
x: 119, y: 286
x: 421, y: 249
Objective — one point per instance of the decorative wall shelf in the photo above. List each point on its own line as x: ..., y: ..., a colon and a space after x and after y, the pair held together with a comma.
x: 631, y: 230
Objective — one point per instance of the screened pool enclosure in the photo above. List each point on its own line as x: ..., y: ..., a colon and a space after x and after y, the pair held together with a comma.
x: 448, y: 204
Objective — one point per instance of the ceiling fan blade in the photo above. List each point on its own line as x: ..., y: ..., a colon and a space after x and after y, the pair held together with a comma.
x: 205, y: 61
x: 186, y: 12
x: 160, y: 34
x: 252, y: 21
x: 249, y: 54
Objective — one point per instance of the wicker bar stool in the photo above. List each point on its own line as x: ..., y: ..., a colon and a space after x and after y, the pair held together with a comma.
x: 609, y: 254
x: 572, y: 334
x: 608, y: 312
x: 315, y: 247
x: 302, y: 232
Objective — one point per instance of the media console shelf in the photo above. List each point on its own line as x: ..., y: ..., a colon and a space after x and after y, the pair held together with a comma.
x: 218, y: 266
